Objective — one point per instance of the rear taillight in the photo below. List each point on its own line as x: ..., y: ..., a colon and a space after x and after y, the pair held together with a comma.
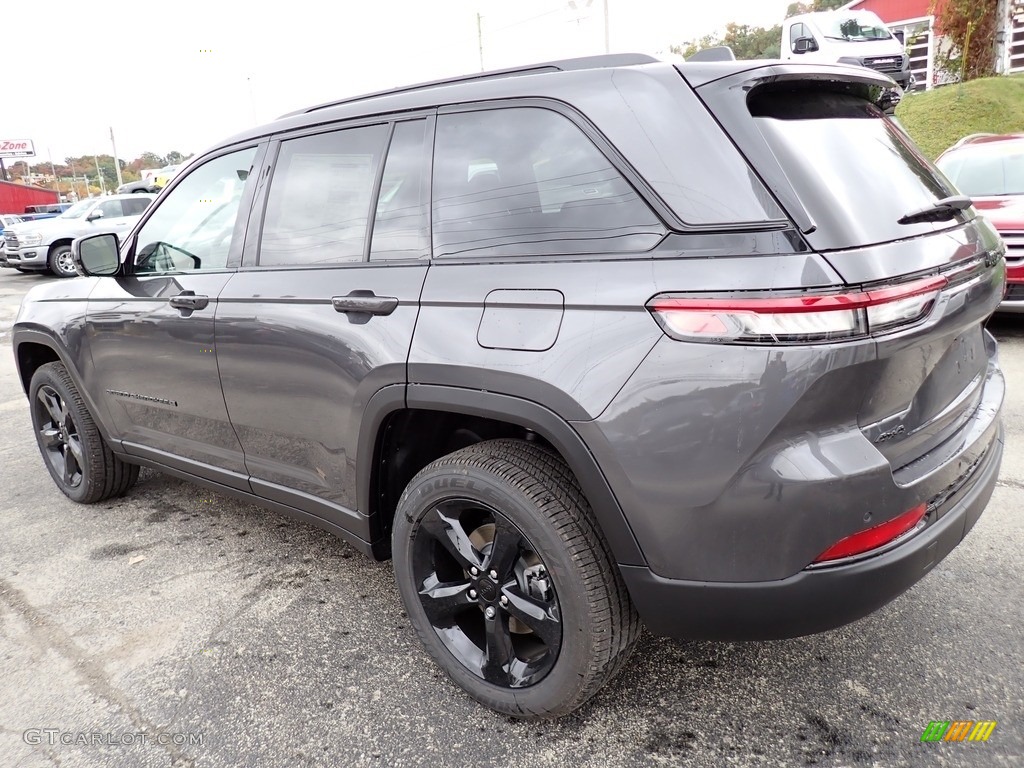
x: 808, y: 318
x: 875, y: 537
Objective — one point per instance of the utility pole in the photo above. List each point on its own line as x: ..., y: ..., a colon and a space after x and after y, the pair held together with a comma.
x: 103, y: 186
x: 480, y: 40
x: 117, y: 163
x: 56, y: 181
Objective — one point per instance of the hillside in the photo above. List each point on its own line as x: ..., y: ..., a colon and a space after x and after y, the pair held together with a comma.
x: 937, y: 118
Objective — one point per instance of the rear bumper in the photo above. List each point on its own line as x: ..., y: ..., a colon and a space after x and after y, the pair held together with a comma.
x: 812, y: 600
x: 1014, y: 299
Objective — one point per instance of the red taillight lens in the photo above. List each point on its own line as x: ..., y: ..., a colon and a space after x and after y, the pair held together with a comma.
x: 872, y: 538
x: 760, y: 319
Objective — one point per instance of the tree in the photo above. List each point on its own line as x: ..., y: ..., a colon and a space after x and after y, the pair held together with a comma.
x: 151, y: 160
x: 745, y: 41
x: 175, y: 158
x: 971, y: 27
x: 795, y: 9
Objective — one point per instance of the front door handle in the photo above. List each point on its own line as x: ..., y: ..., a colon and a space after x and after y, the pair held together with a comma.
x: 189, y: 300
x: 364, y: 303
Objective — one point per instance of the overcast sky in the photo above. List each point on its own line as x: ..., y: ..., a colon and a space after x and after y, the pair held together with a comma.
x: 183, y: 74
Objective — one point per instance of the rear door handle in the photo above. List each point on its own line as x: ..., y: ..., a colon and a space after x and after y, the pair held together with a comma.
x: 189, y: 300
x: 364, y: 303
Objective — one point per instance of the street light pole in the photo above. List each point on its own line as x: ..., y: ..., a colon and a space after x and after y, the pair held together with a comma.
x: 117, y: 163
x: 480, y: 40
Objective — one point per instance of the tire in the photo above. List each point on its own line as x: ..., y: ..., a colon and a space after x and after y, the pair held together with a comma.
x: 77, y: 457
x: 558, y: 611
x: 59, y: 261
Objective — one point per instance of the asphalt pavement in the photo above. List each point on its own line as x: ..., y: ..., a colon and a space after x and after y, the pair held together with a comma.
x: 178, y: 627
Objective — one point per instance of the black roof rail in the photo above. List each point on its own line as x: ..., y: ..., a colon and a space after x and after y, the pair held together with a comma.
x: 563, y: 65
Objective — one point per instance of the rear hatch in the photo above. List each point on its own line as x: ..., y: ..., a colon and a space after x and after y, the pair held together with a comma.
x: 847, y: 174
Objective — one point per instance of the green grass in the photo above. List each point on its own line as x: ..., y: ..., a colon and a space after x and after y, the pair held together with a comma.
x: 936, y: 119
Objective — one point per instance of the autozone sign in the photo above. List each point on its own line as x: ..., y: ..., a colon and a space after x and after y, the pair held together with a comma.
x: 16, y: 148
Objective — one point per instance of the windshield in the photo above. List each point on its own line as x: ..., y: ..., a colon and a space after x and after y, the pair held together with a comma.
x: 855, y: 27
x: 986, y: 171
x: 78, y: 210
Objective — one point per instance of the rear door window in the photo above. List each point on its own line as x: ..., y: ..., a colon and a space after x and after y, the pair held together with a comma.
x: 528, y: 182
x: 318, y: 207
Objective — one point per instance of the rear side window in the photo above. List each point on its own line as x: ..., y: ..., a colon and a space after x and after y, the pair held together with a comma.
x: 135, y: 206
x: 400, y: 224
x: 319, y: 202
x: 856, y: 172
x: 527, y: 181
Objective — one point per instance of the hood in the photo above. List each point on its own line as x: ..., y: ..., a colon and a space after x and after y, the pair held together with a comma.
x: 1006, y: 212
x: 45, y: 225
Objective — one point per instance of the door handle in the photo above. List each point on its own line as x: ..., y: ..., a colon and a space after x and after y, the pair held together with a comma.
x: 189, y: 300
x: 364, y: 303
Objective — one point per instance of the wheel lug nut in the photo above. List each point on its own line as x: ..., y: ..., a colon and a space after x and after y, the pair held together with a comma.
x: 472, y: 594
x: 504, y: 600
x: 494, y: 574
x: 474, y: 571
x: 489, y: 612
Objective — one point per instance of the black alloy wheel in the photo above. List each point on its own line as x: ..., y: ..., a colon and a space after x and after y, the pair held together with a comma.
x: 76, y: 455
x: 58, y: 436
x: 508, y: 581
x: 486, y: 593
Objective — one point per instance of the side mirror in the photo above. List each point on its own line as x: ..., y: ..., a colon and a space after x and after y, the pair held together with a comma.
x: 96, y: 213
x: 97, y: 255
x: 805, y: 45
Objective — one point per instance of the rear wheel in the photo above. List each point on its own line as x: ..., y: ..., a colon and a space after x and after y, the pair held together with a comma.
x: 78, y: 459
x: 507, y: 580
x: 60, y: 261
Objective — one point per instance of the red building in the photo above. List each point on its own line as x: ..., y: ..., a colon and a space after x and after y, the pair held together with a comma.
x: 15, y: 197
x: 916, y: 20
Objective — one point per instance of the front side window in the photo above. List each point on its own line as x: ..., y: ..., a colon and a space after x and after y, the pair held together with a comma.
x: 111, y: 209
x: 527, y: 181
x: 795, y: 33
x: 319, y: 201
x: 194, y: 226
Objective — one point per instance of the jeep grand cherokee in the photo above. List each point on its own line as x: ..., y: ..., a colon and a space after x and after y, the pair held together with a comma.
x: 579, y: 346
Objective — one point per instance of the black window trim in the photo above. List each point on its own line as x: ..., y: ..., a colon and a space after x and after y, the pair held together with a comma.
x: 236, y: 255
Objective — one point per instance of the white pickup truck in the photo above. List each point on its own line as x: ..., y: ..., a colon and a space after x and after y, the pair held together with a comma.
x: 846, y: 37
x: 46, y: 244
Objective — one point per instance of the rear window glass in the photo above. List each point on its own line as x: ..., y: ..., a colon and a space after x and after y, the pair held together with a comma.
x: 853, y: 167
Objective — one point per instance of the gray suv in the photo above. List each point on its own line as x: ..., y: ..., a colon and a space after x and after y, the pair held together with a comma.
x: 582, y: 346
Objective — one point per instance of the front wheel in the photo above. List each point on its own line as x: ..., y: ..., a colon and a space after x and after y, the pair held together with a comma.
x: 508, y: 581
x: 60, y: 262
x: 79, y: 460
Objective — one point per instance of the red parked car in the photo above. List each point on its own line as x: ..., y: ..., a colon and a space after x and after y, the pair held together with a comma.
x: 990, y: 169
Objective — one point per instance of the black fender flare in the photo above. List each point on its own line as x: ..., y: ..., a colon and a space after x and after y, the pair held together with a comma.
x: 501, y: 407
